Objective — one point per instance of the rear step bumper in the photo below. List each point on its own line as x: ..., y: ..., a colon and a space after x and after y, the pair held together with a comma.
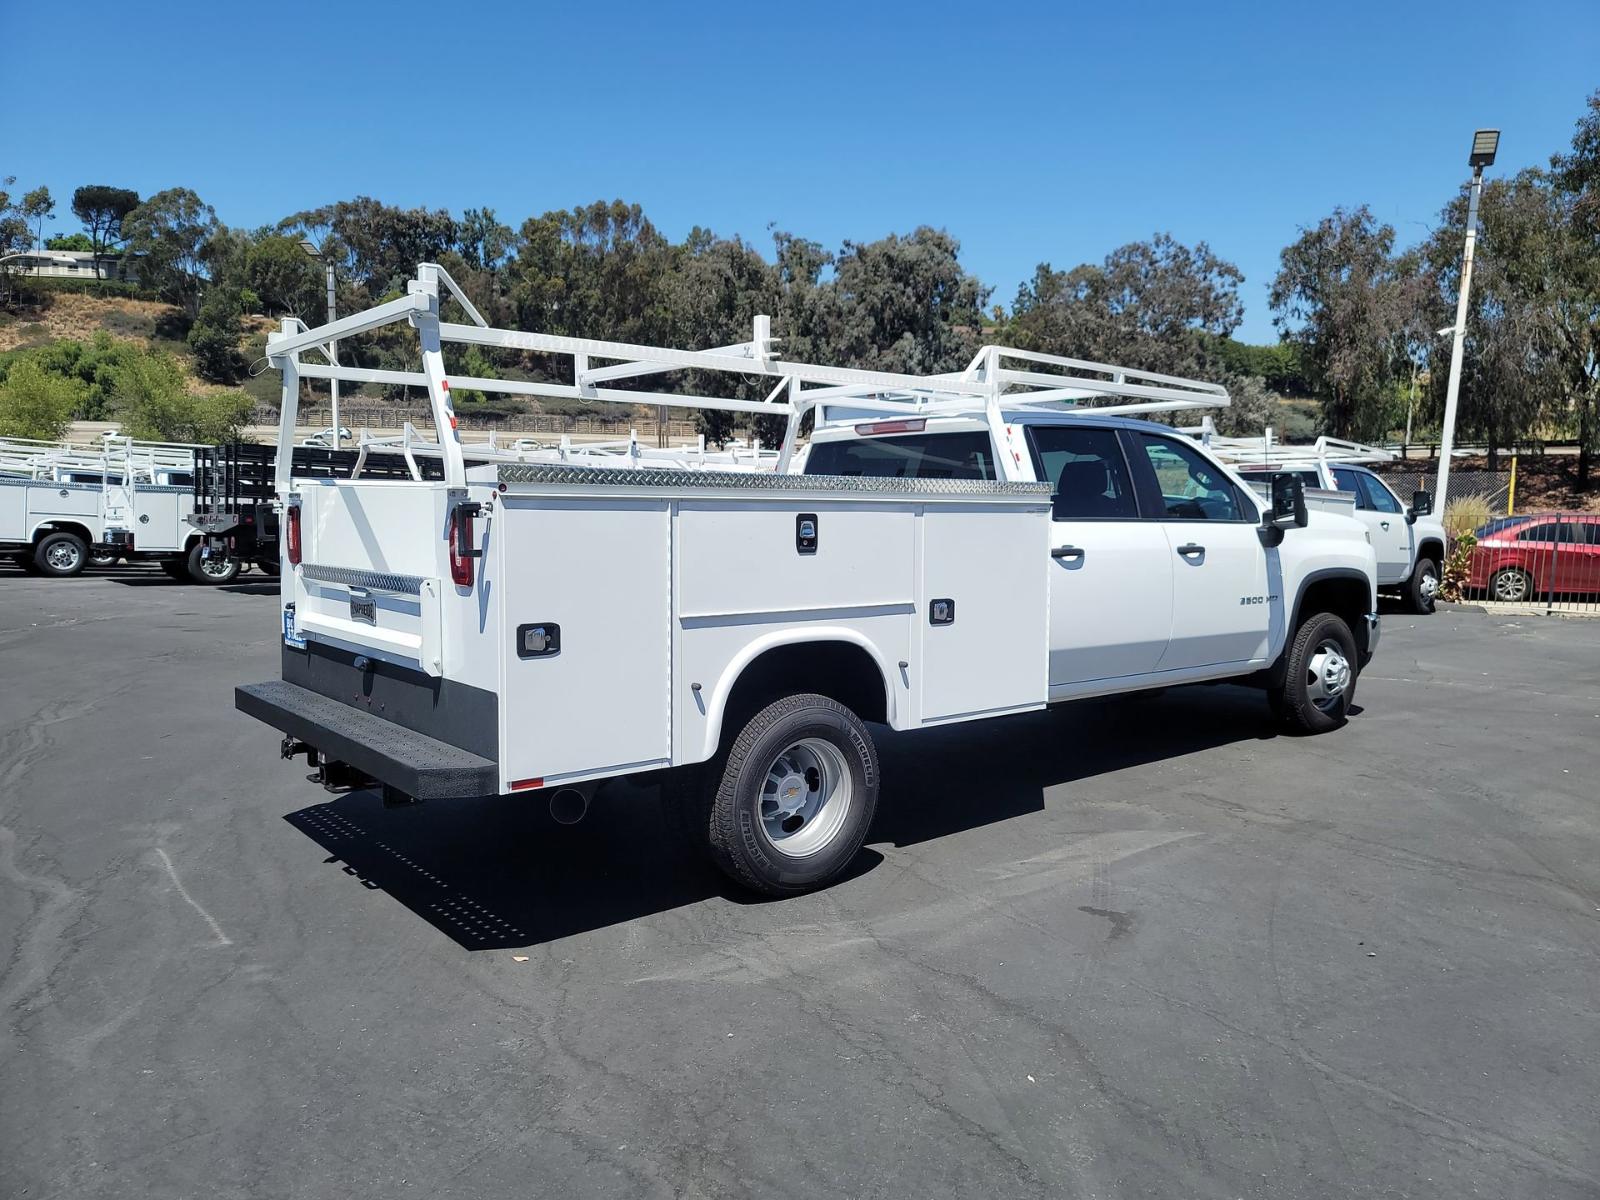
x: 410, y: 762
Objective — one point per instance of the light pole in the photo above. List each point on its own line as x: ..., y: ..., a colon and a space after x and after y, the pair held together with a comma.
x: 310, y: 248
x: 1485, y: 142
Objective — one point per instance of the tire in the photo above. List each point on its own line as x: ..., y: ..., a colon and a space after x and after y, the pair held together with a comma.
x: 1511, y: 585
x: 1422, y: 589
x: 103, y: 558
x: 1319, y: 681
x: 211, y: 571
x: 795, y: 798
x: 61, y: 554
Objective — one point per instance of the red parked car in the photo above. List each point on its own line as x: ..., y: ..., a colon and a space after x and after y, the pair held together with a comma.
x: 1527, y: 558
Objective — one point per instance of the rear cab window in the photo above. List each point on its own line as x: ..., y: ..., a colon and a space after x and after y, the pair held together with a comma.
x: 1087, y: 470
x: 965, y: 455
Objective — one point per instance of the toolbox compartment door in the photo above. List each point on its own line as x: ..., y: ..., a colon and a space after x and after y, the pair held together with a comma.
x: 988, y: 652
x: 585, y: 635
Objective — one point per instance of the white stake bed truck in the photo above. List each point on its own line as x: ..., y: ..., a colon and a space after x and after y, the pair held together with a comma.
x: 537, y: 628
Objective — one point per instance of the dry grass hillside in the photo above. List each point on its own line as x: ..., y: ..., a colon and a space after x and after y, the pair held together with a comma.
x: 71, y: 315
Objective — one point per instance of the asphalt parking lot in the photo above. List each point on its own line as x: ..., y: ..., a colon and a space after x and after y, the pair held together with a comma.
x: 1141, y: 948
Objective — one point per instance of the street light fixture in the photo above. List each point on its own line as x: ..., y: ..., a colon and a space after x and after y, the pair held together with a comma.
x: 314, y: 251
x: 1485, y: 144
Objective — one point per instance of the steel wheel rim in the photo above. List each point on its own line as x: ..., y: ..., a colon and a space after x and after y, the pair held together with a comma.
x: 1510, y: 585
x: 216, y: 568
x: 1327, y: 675
x: 806, y: 797
x: 63, y: 556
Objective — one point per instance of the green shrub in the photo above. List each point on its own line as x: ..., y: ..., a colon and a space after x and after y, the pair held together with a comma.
x: 35, y: 403
x: 1457, y: 567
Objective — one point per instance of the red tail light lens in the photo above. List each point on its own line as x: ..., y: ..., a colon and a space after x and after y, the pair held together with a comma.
x: 461, y: 546
x: 291, y: 534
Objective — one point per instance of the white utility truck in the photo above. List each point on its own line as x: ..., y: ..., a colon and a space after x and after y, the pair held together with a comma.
x: 956, y: 547
x: 1408, y: 539
x: 65, y: 505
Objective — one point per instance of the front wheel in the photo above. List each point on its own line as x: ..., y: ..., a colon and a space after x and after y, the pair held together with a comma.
x: 1319, y: 682
x: 61, y: 554
x: 1422, y: 589
x: 796, y: 796
x: 212, y: 570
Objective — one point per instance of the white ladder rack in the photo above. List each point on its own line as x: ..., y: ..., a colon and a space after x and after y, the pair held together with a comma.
x: 998, y: 379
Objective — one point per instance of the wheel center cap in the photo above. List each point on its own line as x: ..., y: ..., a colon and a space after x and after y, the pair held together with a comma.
x: 791, y: 794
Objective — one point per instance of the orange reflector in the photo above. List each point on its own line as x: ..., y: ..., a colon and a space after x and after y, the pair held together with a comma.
x: 522, y: 785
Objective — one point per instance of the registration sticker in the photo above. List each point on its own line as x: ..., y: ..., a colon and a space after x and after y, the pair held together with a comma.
x: 291, y: 635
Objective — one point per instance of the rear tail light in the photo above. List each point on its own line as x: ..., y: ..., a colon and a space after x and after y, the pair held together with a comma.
x: 462, y: 550
x: 291, y: 534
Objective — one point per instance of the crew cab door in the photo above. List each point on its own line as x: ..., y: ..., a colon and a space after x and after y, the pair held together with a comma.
x: 1223, y: 594
x: 1111, y: 573
x: 1385, y: 519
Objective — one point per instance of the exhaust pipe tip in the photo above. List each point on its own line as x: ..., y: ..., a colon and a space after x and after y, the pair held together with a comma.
x: 568, y: 806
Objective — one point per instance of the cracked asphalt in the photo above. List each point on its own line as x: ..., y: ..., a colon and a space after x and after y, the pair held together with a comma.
x: 1122, y: 949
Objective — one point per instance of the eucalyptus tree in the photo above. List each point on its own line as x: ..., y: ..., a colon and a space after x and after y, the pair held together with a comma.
x: 1341, y: 296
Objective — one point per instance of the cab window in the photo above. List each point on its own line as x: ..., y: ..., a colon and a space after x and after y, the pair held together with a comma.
x: 1350, y: 481
x: 1192, y: 488
x: 1088, y: 471
x: 923, y: 456
x: 1377, y: 496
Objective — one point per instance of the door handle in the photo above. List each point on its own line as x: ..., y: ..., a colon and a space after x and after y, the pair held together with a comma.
x: 1191, y: 550
x: 1385, y: 524
x: 1072, y: 552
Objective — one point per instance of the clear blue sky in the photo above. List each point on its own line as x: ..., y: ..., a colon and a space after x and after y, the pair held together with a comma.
x: 1033, y: 133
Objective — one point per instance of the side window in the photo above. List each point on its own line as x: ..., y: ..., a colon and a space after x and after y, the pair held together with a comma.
x: 1538, y: 533
x: 1376, y: 495
x: 1088, y: 472
x: 925, y: 456
x: 1350, y: 481
x: 1574, y: 533
x: 1192, y: 488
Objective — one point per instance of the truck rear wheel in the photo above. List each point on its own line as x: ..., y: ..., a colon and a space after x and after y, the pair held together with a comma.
x: 795, y: 797
x: 61, y: 554
x: 1319, y: 682
x: 211, y: 570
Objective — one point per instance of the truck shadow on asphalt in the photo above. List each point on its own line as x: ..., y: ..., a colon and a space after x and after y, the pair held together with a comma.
x: 498, y: 873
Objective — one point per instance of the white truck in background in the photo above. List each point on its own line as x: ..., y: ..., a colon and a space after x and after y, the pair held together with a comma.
x: 956, y: 547
x: 1409, y: 539
x: 68, y: 505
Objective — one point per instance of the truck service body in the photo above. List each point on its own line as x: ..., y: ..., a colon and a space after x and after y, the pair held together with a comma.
x: 525, y: 626
x: 63, y: 506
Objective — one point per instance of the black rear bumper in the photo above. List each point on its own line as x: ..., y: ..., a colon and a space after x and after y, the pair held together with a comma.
x: 410, y: 762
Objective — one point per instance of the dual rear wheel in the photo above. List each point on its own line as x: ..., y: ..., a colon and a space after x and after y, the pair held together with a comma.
x: 787, y: 806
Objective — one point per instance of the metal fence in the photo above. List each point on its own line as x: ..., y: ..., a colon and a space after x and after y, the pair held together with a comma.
x: 1533, y: 562
x: 1492, y: 487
